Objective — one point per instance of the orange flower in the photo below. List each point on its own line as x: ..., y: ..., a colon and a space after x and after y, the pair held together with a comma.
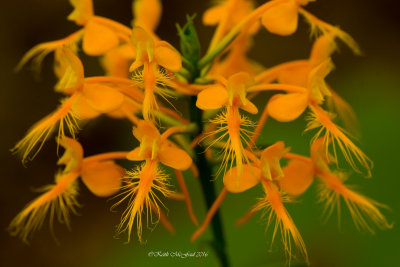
x: 151, y: 55
x: 267, y: 171
x: 282, y: 18
x: 231, y: 94
x: 102, y: 177
x: 100, y: 34
x: 147, y: 15
x: 288, y: 107
x: 88, y: 98
x: 145, y: 180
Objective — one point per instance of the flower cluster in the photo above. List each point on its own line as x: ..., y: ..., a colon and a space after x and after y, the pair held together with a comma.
x: 143, y: 77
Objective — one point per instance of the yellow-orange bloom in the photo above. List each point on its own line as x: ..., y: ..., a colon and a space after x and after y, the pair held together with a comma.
x: 143, y: 182
x: 152, y: 55
x: 231, y: 94
x: 288, y: 107
x: 272, y: 203
x: 99, y: 34
x: 86, y: 100
x: 102, y: 177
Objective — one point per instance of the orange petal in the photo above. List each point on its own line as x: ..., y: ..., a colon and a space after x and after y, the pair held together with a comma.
x: 247, y: 180
x: 174, y: 157
x: 322, y: 49
x: 98, y: 39
x: 287, y: 107
x: 281, y: 19
x: 297, y: 75
x: 213, y: 15
x: 121, y: 112
x: 249, y: 107
x: 134, y: 155
x: 83, y: 10
x: 69, y: 70
x: 147, y: 13
x: 299, y: 175
x: 102, y: 178
x: 73, y: 155
x: 270, y: 159
x: 166, y: 56
x: 116, y: 62
x: 145, y: 129
x: 83, y: 110
x: 212, y: 97
x: 320, y: 155
x: 103, y: 98
x: 144, y: 44
x: 316, y: 80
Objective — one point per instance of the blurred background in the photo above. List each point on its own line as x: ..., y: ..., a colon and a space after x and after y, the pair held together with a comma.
x: 370, y: 83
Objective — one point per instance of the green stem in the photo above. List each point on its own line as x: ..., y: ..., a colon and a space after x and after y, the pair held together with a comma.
x: 207, y: 186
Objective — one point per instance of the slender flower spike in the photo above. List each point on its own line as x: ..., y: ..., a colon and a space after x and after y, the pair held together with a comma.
x: 152, y: 55
x: 143, y: 183
x: 231, y: 94
x: 139, y: 68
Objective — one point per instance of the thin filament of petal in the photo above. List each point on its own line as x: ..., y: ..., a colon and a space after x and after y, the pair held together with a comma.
x: 274, y: 209
x: 35, y: 138
x: 59, y: 198
x: 362, y: 209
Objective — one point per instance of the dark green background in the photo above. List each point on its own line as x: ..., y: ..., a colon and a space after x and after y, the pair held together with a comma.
x: 370, y: 83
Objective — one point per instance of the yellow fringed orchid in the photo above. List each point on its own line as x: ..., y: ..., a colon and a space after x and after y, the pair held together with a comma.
x: 100, y: 174
x: 152, y: 55
x: 87, y: 98
x: 143, y: 182
x: 231, y: 94
x: 268, y: 173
